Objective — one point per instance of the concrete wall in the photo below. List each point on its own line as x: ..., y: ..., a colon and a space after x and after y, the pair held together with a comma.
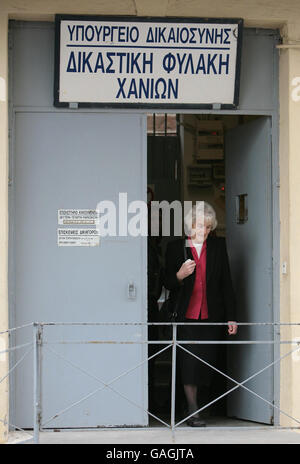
x: 289, y: 216
x: 256, y: 13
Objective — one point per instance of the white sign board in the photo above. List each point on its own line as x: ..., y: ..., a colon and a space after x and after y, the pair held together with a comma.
x: 78, y: 216
x: 77, y: 237
x: 143, y: 62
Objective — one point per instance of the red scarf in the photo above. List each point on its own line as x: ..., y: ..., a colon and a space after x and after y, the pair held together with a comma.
x: 197, y: 308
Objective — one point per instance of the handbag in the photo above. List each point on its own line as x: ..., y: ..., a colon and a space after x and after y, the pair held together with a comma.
x: 168, y: 310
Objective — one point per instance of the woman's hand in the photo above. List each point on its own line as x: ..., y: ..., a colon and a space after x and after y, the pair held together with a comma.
x: 186, y: 269
x: 232, y: 328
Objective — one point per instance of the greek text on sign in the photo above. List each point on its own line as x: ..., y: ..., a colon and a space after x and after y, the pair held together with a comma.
x: 78, y: 237
x: 78, y: 216
x: 144, y: 62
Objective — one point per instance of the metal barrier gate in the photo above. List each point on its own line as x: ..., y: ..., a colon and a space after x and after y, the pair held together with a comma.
x: 38, y: 344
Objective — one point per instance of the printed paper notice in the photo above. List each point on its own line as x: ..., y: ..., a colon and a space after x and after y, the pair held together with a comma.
x: 78, y: 237
x: 78, y: 216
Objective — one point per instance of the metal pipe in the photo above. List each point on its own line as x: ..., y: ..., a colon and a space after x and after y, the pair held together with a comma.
x: 173, y: 392
x: 104, y: 385
x: 165, y: 323
x: 37, y: 336
x: 16, y: 328
x: 17, y: 363
x: 239, y: 384
x: 167, y: 342
x: 15, y: 348
x: 37, y: 360
x: 40, y: 354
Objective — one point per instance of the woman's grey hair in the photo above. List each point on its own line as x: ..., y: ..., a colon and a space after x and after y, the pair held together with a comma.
x: 197, y: 211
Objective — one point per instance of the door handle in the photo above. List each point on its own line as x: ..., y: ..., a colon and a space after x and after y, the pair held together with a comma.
x: 241, y: 208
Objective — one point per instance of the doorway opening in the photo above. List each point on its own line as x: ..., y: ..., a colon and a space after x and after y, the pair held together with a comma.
x: 224, y: 160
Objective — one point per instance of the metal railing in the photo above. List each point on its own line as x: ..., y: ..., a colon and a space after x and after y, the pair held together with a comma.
x: 38, y: 344
x: 10, y: 350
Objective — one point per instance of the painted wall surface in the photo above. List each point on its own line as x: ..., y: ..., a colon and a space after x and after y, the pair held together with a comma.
x: 290, y: 203
x: 256, y: 13
x: 3, y: 226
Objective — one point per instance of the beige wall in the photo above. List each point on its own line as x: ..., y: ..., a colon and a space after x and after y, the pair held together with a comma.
x: 294, y: 220
x: 290, y: 219
x: 256, y: 13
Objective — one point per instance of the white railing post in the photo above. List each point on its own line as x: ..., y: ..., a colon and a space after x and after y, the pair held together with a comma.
x: 37, y: 343
x: 173, y: 392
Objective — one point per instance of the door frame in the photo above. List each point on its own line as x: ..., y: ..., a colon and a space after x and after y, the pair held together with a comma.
x: 275, y: 185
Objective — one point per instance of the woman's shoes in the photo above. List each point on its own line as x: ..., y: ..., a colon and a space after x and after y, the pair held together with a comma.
x: 195, y: 422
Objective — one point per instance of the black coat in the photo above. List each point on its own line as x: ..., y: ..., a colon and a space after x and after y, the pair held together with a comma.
x: 221, y: 299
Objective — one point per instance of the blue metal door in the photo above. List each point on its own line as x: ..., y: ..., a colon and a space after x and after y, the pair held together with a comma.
x: 249, y: 239
x: 66, y: 160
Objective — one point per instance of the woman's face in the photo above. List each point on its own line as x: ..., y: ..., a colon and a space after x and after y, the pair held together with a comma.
x: 200, y: 230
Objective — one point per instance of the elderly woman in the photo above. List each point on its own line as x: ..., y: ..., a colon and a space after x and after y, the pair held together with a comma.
x: 201, y: 289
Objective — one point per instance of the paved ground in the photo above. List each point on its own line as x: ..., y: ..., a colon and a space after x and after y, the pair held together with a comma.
x: 152, y: 436
x: 212, y: 434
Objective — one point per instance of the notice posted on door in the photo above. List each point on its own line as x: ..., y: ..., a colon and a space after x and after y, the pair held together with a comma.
x: 78, y: 237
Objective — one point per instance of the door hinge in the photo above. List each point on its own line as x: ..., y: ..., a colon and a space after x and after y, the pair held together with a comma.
x: 10, y: 41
